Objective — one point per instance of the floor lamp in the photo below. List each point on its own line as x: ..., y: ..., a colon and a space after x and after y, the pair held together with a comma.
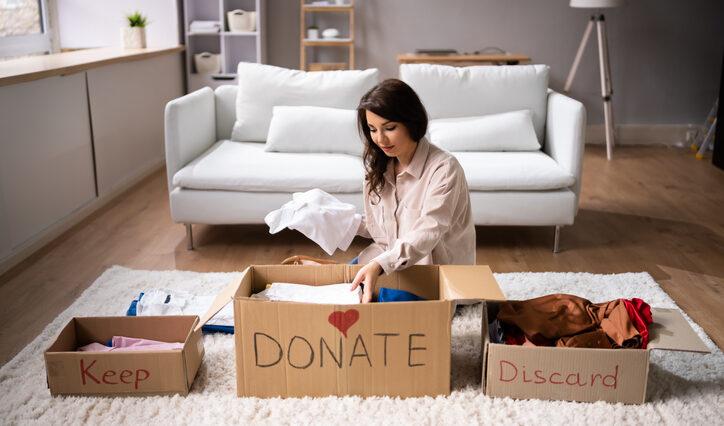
x: 606, y: 90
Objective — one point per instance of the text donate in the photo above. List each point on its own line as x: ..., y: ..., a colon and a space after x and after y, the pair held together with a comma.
x: 302, y: 353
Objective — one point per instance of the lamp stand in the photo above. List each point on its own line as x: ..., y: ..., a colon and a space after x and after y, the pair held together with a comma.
x: 606, y: 89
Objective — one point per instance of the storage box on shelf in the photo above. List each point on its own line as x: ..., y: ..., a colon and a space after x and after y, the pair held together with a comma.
x: 242, y: 39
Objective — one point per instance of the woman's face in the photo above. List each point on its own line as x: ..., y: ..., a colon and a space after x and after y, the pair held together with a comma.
x: 392, y: 137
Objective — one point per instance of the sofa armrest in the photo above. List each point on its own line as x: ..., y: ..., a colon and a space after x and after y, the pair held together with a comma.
x: 190, y: 127
x: 566, y: 135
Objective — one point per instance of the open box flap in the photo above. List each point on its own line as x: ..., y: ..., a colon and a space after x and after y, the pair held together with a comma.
x: 222, y: 298
x: 671, y: 331
x: 468, y: 283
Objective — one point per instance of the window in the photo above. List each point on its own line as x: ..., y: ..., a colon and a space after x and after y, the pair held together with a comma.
x: 23, y: 27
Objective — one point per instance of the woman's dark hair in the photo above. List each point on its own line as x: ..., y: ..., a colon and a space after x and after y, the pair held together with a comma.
x: 394, y: 100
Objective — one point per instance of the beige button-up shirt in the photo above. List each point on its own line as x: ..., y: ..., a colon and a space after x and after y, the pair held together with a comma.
x: 423, y: 216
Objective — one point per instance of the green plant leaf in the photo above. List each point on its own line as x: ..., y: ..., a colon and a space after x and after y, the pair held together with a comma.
x: 136, y: 19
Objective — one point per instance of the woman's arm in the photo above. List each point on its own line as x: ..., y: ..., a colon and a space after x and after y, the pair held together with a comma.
x: 446, y: 186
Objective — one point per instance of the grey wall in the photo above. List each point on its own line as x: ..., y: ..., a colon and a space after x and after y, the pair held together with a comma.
x: 665, y: 54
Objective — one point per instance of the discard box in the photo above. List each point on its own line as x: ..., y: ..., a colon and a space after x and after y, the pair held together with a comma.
x: 581, y: 374
x: 124, y: 373
x: 396, y: 349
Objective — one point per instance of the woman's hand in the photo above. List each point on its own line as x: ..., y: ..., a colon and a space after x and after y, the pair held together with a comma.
x: 367, y: 275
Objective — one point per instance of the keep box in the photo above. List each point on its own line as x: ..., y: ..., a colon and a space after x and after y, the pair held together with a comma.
x: 70, y: 372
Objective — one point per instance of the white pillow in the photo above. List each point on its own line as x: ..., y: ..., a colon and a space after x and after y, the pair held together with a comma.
x: 261, y: 87
x: 449, y: 92
x: 314, y: 129
x: 509, y: 131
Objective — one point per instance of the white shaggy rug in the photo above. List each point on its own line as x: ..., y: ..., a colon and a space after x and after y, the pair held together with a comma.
x: 683, y: 388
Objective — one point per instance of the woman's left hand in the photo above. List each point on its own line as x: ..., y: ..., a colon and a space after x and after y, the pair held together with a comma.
x: 367, y: 275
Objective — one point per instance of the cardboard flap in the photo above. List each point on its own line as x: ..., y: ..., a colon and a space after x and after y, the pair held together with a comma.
x: 468, y: 282
x: 222, y: 298
x: 671, y: 331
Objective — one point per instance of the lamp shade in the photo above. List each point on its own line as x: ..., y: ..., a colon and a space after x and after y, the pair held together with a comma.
x: 596, y: 4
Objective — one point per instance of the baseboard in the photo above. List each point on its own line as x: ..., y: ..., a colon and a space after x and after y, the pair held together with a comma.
x: 644, y: 134
x: 54, y: 231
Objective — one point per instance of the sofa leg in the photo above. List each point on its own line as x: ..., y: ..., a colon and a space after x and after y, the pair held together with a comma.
x: 556, y: 239
x: 189, y: 237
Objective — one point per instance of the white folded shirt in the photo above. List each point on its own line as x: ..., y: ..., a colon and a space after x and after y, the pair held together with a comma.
x: 334, y: 294
x: 182, y: 303
x: 205, y: 26
x: 324, y: 219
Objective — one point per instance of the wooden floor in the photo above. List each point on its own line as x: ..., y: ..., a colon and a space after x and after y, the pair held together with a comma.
x: 651, y: 209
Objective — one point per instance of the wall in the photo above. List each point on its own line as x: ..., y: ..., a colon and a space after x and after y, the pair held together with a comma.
x: 94, y: 23
x: 665, y: 54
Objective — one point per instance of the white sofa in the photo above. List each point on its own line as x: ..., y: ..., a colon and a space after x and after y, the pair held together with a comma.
x: 214, y: 180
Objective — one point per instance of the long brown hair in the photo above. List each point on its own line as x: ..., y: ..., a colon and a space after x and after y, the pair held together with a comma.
x: 394, y: 100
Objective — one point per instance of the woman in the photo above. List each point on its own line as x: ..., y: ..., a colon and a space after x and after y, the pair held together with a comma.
x: 416, y: 200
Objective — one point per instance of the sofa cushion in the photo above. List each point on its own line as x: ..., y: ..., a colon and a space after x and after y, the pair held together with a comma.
x: 261, y: 87
x: 449, y: 92
x: 314, y: 129
x: 512, y: 171
x: 245, y: 166
x: 507, y: 131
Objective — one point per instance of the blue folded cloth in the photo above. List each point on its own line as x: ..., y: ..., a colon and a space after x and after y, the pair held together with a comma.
x: 208, y: 328
x: 394, y: 295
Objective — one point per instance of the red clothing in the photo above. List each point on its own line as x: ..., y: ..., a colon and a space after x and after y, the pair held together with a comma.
x: 640, y: 314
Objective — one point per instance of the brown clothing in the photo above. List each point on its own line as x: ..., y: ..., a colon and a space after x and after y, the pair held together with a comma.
x: 567, y: 320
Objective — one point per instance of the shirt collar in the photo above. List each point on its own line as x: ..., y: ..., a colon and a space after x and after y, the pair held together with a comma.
x: 416, y: 164
x: 419, y: 159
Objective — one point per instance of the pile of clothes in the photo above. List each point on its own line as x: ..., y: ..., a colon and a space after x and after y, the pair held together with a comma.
x: 339, y: 294
x: 159, y: 302
x: 336, y: 294
x: 126, y: 344
x: 564, y: 320
x: 167, y: 302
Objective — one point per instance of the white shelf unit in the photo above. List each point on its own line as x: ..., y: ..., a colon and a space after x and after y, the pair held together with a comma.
x: 234, y: 47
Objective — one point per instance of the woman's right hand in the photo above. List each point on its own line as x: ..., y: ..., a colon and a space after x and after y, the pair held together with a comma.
x: 367, y: 276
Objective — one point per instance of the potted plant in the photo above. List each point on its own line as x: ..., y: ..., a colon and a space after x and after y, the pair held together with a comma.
x: 134, y: 35
x: 313, y: 32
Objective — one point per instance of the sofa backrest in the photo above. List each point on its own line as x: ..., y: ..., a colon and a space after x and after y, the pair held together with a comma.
x: 451, y: 92
x: 225, y: 110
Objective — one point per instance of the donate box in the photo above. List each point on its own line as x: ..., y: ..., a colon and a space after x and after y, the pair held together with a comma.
x: 396, y: 348
x: 581, y: 374
x: 124, y: 373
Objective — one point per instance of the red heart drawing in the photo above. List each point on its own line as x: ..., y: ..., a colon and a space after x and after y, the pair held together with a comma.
x: 343, y: 320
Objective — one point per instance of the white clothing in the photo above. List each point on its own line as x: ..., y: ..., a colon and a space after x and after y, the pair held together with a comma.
x: 334, y: 294
x: 182, y: 303
x: 321, y: 217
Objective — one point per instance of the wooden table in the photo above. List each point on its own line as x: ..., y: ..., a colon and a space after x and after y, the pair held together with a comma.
x: 463, y: 60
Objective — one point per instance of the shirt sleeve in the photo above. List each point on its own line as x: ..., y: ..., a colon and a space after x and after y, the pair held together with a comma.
x: 435, y: 220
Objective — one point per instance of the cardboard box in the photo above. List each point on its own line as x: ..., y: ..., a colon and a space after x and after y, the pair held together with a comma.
x: 580, y: 374
x: 396, y: 349
x: 124, y: 373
